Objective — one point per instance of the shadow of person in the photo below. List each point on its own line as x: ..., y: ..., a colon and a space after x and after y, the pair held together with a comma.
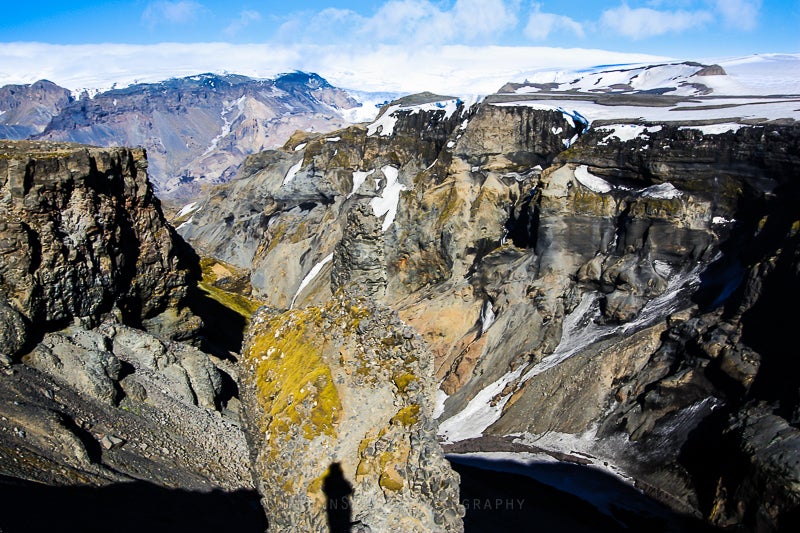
x: 337, y: 492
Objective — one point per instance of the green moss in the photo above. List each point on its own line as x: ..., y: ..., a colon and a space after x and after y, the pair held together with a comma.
x: 295, y: 386
x: 387, y: 483
x: 239, y: 303
x: 277, y: 236
x: 315, y: 487
x: 407, y: 416
x: 401, y: 381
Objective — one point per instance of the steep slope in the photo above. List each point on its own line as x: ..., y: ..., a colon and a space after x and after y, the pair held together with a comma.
x: 197, y: 130
x: 591, y: 272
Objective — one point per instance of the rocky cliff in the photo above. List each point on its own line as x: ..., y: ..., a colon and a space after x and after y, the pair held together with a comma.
x: 97, y: 386
x: 609, y: 290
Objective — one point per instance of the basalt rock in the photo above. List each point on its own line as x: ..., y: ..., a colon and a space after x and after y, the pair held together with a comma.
x: 81, y: 234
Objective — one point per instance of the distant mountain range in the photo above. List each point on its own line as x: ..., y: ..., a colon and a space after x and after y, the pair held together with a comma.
x: 196, y: 130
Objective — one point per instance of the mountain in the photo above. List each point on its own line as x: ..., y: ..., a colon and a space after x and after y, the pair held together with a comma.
x: 601, y: 276
x: 25, y: 110
x: 197, y: 130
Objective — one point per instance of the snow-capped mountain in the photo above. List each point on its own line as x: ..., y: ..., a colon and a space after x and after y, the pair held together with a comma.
x: 197, y: 130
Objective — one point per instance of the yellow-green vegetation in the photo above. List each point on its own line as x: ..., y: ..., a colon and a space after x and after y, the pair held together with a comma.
x: 239, y: 303
x: 407, y: 416
x: 382, y: 465
x: 657, y: 207
x: 277, y: 236
x: 295, y: 386
x: 387, y: 482
x: 449, y: 207
x: 315, y: 487
x: 402, y: 380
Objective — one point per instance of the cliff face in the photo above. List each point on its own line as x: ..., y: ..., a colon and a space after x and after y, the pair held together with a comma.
x: 83, y: 234
x: 613, y: 287
x: 339, y: 401
x: 95, y: 387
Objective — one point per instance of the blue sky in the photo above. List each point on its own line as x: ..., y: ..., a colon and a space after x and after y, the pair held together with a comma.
x: 677, y: 28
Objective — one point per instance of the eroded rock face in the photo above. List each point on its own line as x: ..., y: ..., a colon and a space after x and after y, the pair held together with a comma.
x: 620, y: 292
x: 339, y: 404
x: 83, y: 234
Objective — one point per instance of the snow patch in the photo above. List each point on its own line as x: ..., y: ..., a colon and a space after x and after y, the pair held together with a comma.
x: 190, y: 221
x: 479, y: 414
x: 714, y: 129
x: 487, y: 316
x: 666, y: 191
x: 626, y: 132
x: 385, y: 123
x: 332, y: 139
x: 388, y: 120
x: 185, y: 210
x: 315, y: 270
x: 300, y: 147
x: 592, y: 182
x: 292, y: 172
x: 441, y: 397
x: 386, y: 203
x: 359, y: 177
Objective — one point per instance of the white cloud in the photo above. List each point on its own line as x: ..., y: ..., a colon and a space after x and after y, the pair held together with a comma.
x: 643, y: 22
x: 411, y: 22
x: 246, y: 18
x: 739, y: 14
x: 484, y: 18
x: 540, y: 25
x: 166, y: 12
x: 330, y: 26
x: 458, y: 70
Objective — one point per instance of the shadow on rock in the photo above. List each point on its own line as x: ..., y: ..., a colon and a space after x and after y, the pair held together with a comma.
x: 501, y: 495
x: 338, y: 506
x: 126, y: 507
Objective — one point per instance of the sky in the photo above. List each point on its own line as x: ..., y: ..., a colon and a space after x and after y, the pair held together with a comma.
x: 48, y: 36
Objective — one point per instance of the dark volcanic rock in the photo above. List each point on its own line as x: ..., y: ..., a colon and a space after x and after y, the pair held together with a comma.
x: 87, y: 397
x: 82, y: 234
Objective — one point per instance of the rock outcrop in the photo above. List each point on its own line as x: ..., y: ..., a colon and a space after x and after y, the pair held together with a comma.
x: 84, y: 236
x: 339, y: 402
